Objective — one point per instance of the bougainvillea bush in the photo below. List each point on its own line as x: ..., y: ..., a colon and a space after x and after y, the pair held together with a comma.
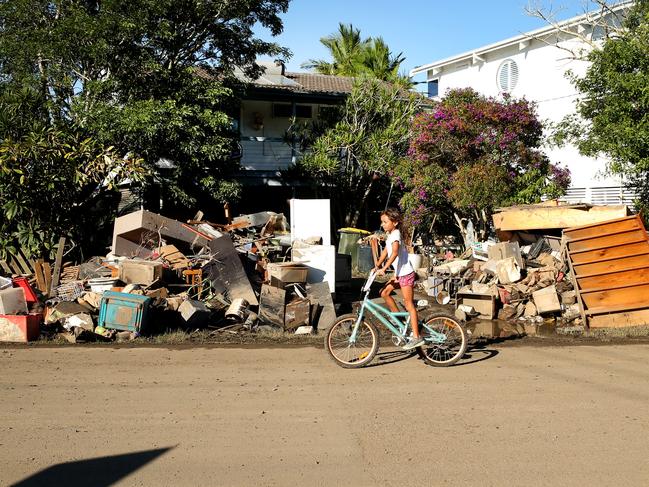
x: 472, y: 153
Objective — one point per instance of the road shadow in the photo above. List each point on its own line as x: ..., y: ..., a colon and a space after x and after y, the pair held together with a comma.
x: 476, y: 354
x: 98, y: 472
x: 391, y: 357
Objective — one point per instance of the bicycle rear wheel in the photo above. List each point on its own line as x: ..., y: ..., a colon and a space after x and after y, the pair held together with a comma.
x: 447, y: 349
x: 345, y: 353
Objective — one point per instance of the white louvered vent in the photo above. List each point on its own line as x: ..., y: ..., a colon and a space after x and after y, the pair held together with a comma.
x: 575, y: 195
x: 507, y: 76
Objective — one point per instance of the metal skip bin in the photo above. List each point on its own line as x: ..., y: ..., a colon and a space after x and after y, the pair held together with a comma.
x: 123, y: 311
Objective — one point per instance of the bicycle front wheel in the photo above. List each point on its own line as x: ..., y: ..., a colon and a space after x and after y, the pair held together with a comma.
x: 446, y: 341
x: 347, y: 353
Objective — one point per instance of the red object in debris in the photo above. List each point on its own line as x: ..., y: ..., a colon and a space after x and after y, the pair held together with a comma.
x: 30, y: 295
x: 20, y: 328
x: 505, y: 295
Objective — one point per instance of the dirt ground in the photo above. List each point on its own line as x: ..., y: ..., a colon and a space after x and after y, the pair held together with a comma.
x: 277, y: 416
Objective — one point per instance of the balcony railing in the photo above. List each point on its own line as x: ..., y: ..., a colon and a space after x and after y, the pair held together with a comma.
x: 266, y: 154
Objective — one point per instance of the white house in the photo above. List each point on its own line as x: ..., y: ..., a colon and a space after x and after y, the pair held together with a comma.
x: 534, y: 65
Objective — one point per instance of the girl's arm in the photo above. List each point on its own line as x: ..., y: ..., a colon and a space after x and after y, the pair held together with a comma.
x: 382, y: 257
x: 395, y: 250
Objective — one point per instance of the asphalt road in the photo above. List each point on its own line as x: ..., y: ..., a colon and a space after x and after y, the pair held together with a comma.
x: 290, y: 417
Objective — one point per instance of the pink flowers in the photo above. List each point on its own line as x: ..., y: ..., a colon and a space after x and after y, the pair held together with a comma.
x: 494, y: 145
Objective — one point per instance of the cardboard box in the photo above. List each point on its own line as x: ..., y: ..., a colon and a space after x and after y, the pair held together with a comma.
x: 139, y: 272
x: 484, y: 304
x: 20, y: 328
x: 288, y: 271
x: 546, y: 300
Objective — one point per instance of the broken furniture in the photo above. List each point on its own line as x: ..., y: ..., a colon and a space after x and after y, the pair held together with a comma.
x: 609, y: 264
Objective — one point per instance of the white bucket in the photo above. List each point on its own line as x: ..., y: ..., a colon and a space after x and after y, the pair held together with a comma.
x: 101, y: 284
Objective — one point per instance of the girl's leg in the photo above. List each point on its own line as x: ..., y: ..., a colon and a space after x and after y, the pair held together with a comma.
x: 408, y: 301
x: 386, y: 295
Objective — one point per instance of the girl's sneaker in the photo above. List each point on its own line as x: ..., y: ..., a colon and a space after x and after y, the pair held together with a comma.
x: 414, y: 343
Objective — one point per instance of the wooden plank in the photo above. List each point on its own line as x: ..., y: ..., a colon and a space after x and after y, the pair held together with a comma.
x: 607, y: 241
x: 575, y: 286
x: 596, y: 224
x: 607, y: 228
x: 609, y: 253
x: 602, y: 310
x: 57, y: 265
x: 14, y: 266
x: 555, y: 217
x: 40, y: 278
x: 631, y: 297
x: 175, y: 257
x: 23, y: 263
x: 602, y: 247
x: 604, y: 233
x: 614, y: 281
x: 620, y: 320
x: 5, y: 267
x: 47, y: 274
x: 614, y: 265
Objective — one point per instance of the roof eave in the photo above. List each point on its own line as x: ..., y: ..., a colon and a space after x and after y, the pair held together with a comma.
x: 534, y: 34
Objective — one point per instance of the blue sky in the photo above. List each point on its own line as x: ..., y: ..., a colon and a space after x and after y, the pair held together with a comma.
x: 424, y: 30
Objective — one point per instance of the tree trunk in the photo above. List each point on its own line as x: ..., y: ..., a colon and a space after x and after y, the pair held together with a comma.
x: 462, y: 228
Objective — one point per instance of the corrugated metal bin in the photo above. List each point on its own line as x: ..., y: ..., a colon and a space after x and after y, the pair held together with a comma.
x: 123, y: 311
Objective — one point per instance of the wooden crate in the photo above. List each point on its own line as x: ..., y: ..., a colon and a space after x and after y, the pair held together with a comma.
x: 609, y: 264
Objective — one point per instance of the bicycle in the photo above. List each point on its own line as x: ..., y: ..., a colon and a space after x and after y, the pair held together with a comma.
x: 353, y: 342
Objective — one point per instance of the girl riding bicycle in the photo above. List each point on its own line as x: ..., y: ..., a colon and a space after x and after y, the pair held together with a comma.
x: 396, y: 254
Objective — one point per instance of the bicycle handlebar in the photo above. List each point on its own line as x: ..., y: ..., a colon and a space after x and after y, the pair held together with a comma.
x: 368, y: 283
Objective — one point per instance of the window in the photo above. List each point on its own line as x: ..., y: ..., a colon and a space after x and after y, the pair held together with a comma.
x: 285, y: 110
x: 507, y: 77
x: 328, y: 112
x: 433, y: 88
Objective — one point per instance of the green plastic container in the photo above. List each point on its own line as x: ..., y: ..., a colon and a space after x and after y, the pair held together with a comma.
x: 348, y: 243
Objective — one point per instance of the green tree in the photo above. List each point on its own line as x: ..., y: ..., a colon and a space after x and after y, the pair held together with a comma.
x: 472, y: 153
x: 613, y: 110
x: 353, y: 158
x: 151, y: 80
x: 351, y: 55
x: 50, y: 184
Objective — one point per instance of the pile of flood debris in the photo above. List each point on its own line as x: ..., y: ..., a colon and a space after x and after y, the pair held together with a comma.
x: 163, y: 274
x: 573, y: 266
x: 507, y: 281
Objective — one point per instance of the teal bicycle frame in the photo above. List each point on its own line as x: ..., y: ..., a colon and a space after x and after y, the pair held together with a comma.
x: 397, y: 322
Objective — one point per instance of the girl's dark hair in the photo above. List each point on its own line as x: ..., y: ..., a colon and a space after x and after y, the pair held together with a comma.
x: 396, y: 217
x: 394, y: 214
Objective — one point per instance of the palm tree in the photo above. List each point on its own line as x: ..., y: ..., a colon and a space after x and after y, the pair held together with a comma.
x: 346, y: 48
x: 353, y: 56
x: 379, y: 62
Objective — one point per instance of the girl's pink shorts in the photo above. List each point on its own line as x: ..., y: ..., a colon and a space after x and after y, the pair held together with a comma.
x: 408, y: 280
